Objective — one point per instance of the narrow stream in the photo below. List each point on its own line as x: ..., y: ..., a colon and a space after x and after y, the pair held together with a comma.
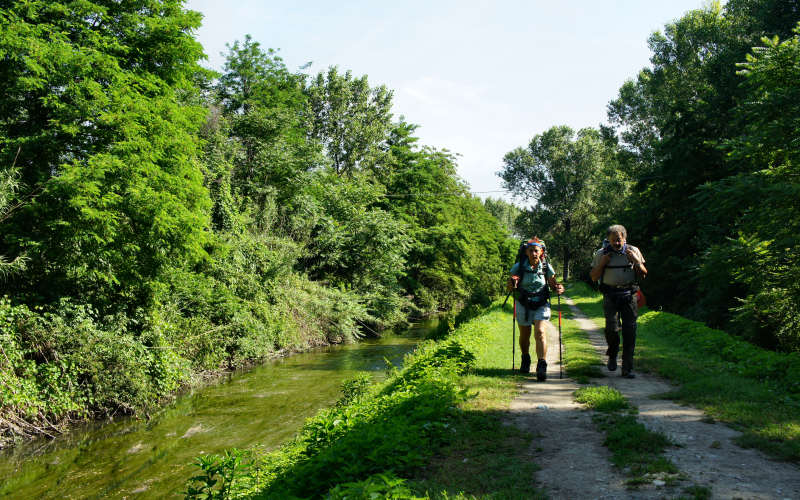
x: 130, y: 458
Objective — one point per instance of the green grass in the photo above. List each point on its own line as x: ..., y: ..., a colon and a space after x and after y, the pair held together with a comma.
x: 698, y: 492
x: 635, y: 449
x: 602, y: 398
x: 486, y: 459
x: 754, y: 390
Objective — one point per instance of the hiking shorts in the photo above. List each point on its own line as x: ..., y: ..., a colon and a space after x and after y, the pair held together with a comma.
x: 540, y: 314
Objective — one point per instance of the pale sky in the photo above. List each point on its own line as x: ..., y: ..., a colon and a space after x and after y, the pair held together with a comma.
x: 480, y: 78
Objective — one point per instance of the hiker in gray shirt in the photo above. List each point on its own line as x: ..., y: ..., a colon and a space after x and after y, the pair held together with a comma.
x: 618, y: 266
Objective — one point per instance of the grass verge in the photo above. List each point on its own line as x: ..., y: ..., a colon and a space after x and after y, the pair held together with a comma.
x: 581, y: 360
x: 754, y: 390
x: 433, y: 429
x: 636, y: 450
x: 483, y: 460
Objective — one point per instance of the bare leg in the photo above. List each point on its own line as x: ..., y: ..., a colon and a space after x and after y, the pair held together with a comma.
x: 525, y: 339
x: 541, y: 339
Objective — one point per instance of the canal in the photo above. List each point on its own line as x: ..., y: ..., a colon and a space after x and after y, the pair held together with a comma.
x: 137, y: 458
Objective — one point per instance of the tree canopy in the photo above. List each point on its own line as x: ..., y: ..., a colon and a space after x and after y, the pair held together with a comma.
x: 698, y: 162
x: 572, y: 178
x: 160, y: 220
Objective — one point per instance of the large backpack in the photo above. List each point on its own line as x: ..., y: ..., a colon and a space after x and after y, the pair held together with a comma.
x: 531, y: 301
x: 641, y: 301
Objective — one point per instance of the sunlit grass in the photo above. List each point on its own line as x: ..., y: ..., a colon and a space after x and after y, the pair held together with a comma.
x: 581, y: 360
x: 634, y: 449
x: 602, y: 398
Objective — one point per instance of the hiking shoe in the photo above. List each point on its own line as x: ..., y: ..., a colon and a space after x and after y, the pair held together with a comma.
x: 541, y: 370
x: 628, y: 374
x: 612, y: 363
x: 525, y: 364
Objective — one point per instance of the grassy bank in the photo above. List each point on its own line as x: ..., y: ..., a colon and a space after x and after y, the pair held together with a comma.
x: 433, y: 429
x: 754, y: 390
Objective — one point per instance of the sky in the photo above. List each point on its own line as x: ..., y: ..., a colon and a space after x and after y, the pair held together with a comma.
x: 480, y: 78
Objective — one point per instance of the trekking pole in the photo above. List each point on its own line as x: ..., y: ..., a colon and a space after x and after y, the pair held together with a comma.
x: 514, y: 335
x: 560, y: 362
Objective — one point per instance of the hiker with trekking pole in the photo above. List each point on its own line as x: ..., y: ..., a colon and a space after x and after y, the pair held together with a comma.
x: 530, y: 276
x: 618, y: 267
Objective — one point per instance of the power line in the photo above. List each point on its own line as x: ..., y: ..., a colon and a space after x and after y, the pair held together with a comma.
x: 440, y: 195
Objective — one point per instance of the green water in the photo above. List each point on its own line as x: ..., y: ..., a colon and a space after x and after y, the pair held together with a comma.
x: 130, y: 458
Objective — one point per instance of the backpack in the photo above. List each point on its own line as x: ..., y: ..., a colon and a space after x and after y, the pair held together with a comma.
x: 531, y: 300
x: 641, y: 300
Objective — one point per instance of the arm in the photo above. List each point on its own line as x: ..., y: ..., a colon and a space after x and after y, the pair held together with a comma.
x: 555, y: 285
x: 638, y: 263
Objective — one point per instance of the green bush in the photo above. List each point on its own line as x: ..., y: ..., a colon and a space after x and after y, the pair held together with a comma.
x: 376, y: 486
x: 739, y: 356
x: 69, y: 362
x: 354, y: 389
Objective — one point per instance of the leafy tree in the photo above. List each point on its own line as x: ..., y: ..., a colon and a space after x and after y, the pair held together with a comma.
x: 269, y: 119
x: 350, y: 119
x: 758, y: 264
x: 219, y: 154
x: 506, y: 213
x: 672, y: 119
x: 356, y: 245
x: 94, y: 98
x: 458, y: 252
x: 9, y: 185
x: 560, y: 171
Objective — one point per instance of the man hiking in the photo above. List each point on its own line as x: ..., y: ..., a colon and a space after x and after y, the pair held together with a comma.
x: 530, y: 276
x: 618, y: 266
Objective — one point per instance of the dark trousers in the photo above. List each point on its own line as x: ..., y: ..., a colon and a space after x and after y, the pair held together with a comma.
x: 621, y: 312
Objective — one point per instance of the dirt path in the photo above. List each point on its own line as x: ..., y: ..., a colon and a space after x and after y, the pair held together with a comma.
x: 575, y: 464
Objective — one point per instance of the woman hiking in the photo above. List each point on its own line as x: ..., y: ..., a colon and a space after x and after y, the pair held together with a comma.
x: 530, y: 277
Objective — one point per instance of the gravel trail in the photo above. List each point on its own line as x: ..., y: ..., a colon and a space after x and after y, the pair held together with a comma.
x: 575, y: 464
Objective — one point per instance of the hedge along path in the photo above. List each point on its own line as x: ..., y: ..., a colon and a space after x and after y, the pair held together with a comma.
x: 706, y: 453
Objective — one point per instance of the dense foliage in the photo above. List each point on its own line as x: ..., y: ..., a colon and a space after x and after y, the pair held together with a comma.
x: 159, y: 220
x: 701, y: 166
